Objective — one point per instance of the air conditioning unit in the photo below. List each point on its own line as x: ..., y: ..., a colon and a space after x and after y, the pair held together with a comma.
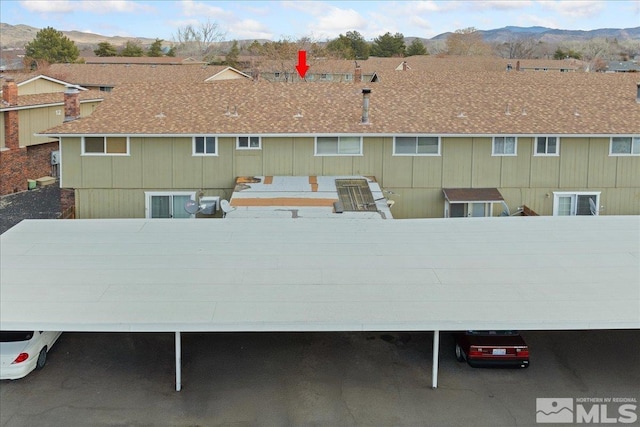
x: 55, y: 157
x: 209, y: 205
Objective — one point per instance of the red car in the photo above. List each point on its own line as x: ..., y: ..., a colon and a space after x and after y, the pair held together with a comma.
x: 492, y: 348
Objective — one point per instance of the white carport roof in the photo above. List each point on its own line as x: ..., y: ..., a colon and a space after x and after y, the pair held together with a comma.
x: 318, y: 274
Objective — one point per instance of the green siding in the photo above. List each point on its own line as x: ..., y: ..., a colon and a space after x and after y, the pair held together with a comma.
x: 602, y: 167
x: 278, y: 156
x: 516, y: 170
x: 574, y: 162
x: 157, y: 162
x: 485, y: 168
x: 113, y: 186
x: 39, y: 86
x: 545, y: 171
x: 304, y: 161
x: 457, y: 157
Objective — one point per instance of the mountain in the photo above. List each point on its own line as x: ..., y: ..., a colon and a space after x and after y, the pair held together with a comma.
x: 544, y: 34
x: 16, y: 36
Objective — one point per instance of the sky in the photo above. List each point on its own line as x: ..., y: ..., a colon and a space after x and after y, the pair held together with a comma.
x: 318, y: 20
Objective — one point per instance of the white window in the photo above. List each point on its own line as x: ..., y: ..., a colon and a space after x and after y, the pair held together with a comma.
x: 105, y: 145
x: 416, y: 146
x: 625, y: 145
x: 505, y: 145
x: 205, y: 146
x: 167, y: 204
x: 338, y: 146
x: 547, y: 146
x: 248, y: 143
x: 576, y: 203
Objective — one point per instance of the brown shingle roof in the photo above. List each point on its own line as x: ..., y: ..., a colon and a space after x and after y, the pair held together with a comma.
x: 53, y: 98
x: 451, y: 102
x: 116, y: 74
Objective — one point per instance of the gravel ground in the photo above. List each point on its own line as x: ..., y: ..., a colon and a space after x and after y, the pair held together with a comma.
x: 41, y: 202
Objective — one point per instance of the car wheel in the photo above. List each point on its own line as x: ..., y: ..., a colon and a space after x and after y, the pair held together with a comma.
x: 459, y: 353
x: 42, y: 358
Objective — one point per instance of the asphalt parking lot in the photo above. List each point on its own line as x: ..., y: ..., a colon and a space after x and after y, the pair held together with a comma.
x: 39, y: 203
x: 310, y: 379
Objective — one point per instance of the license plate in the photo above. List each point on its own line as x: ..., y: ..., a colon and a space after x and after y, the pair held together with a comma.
x: 499, y: 351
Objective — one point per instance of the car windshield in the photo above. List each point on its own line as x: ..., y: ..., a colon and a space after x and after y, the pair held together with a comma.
x: 492, y: 332
x: 13, y: 336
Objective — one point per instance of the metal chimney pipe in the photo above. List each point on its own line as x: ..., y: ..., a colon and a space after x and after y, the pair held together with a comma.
x: 365, y: 105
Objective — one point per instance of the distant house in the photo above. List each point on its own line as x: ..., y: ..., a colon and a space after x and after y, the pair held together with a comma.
x: 447, y: 142
x: 31, y: 104
x: 623, y: 67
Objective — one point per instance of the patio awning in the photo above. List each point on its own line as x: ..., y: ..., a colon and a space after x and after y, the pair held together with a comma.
x: 472, y: 195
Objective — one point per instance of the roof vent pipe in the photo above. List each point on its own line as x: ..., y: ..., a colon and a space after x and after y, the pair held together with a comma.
x: 365, y: 106
x: 638, y: 93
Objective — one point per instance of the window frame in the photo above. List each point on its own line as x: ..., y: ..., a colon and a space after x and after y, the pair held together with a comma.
x: 546, y: 145
x: 337, y: 154
x: 248, y: 147
x: 574, y: 201
x: 149, y: 194
x: 105, y: 138
x: 438, y: 153
x: 204, y: 154
x: 635, y: 141
x: 515, y: 146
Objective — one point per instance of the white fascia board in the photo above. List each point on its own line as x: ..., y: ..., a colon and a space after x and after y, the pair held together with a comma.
x: 53, y: 104
x: 312, y: 135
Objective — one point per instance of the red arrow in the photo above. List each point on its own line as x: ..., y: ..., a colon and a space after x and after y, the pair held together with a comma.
x: 302, y: 66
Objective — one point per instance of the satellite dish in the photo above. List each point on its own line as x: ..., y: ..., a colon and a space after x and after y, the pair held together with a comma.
x: 191, y: 206
x: 226, y: 207
x: 593, y: 207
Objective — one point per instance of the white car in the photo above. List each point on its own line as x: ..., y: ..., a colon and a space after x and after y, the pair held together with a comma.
x: 23, y: 351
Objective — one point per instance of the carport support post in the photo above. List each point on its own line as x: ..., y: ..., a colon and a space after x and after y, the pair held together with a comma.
x: 436, y: 350
x: 178, y: 361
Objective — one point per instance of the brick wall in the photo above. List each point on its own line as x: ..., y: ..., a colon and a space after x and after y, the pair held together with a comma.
x: 13, y: 164
x: 39, y: 160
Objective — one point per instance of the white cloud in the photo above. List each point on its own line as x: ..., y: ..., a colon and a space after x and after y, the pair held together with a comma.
x: 329, y: 21
x: 99, y: 7
x: 204, y: 10
x: 420, y: 22
x: 250, y: 29
x: 498, y: 4
x: 574, y: 9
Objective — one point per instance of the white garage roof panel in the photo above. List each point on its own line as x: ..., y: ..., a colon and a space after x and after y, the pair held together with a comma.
x: 320, y: 274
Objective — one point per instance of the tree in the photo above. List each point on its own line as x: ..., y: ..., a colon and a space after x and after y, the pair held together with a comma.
x: 467, y: 42
x: 416, y: 48
x: 172, y: 51
x: 52, y: 46
x: 255, y: 48
x: 155, y: 49
x: 132, y: 49
x: 349, y: 46
x: 569, y: 53
x: 388, y: 45
x: 105, y: 49
x: 232, y: 56
x: 199, y: 40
